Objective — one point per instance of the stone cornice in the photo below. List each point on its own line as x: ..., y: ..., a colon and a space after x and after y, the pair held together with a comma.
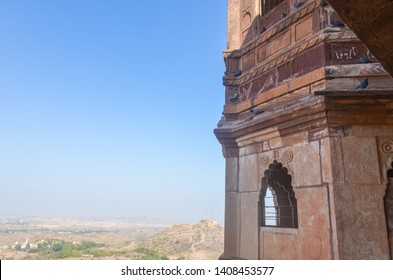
x: 307, y: 111
x: 324, y: 109
x: 359, y: 94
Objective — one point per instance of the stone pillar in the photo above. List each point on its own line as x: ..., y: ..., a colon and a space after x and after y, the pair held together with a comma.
x: 232, y: 210
x: 389, y: 214
x: 249, y: 196
x: 358, y: 198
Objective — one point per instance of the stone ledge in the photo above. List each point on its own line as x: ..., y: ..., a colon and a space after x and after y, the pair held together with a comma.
x: 325, y: 108
x: 373, y: 93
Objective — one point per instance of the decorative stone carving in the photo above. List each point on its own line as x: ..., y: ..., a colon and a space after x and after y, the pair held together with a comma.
x: 287, y: 156
x: 387, y: 148
x: 385, y: 151
x: 270, y: 63
x: 264, y: 160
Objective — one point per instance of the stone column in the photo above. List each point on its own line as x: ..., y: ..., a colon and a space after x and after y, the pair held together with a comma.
x: 389, y: 214
x: 232, y: 210
x: 359, y: 201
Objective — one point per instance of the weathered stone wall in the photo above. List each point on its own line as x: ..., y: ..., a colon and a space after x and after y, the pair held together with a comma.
x: 338, y: 180
x: 371, y: 21
x: 303, y: 158
x: 336, y: 141
x: 359, y: 189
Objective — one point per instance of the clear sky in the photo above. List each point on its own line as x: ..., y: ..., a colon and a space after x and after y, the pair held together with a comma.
x: 107, y: 108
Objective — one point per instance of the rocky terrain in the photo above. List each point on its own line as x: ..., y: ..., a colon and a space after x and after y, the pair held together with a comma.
x: 103, y: 238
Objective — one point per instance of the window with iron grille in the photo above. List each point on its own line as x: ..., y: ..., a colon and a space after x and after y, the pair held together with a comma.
x: 277, y: 201
x: 268, y: 5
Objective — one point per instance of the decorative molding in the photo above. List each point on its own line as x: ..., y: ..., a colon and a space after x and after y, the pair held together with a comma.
x: 265, y: 160
x: 375, y: 69
x: 287, y: 156
x: 230, y: 152
x: 387, y: 148
x: 269, y: 64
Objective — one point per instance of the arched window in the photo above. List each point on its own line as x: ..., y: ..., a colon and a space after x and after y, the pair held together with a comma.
x: 268, y: 5
x: 277, y: 201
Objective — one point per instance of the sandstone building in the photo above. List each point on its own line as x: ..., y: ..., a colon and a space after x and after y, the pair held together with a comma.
x: 307, y: 134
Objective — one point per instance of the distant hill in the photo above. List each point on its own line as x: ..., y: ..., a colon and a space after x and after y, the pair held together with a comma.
x: 202, y: 241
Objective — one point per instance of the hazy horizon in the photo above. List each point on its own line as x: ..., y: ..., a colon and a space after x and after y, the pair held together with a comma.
x: 133, y: 219
x: 107, y: 108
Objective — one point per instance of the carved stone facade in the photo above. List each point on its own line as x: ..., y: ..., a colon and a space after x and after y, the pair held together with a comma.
x: 374, y: 27
x: 310, y: 122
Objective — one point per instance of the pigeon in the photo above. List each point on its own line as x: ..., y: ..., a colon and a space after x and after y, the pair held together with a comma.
x: 364, y: 59
x: 283, y: 15
x: 256, y: 111
x: 234, y: 98
x: 363, y: 84
x: 238, y: 73
x: 298, y: 4
x: 336, y: 23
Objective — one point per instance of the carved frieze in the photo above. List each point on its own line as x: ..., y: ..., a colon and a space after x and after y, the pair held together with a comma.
x: 268, y: 64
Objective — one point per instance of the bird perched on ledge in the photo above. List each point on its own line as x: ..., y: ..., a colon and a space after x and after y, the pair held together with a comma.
x: 336, y: 23
x: 283, y: 15
x: 363, y: 84
x: 255, y: 112
x: 364, y: 59
x: 299, y: 4
x: 238, y: 73
x: 322, y: 2
x: 234, y: 98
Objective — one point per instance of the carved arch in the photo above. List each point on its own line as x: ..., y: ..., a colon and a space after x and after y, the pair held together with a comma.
x: 280, y: 210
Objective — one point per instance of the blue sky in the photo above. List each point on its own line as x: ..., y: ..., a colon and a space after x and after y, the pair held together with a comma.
x: 107, y: 108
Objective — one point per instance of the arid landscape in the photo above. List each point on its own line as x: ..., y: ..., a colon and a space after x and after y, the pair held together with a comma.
x: 108, y: 239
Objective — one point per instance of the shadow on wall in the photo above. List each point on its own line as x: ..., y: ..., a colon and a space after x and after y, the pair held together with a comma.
x: 389, y: 209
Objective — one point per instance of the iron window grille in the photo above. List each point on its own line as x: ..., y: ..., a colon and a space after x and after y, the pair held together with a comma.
x: 277, y: 201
